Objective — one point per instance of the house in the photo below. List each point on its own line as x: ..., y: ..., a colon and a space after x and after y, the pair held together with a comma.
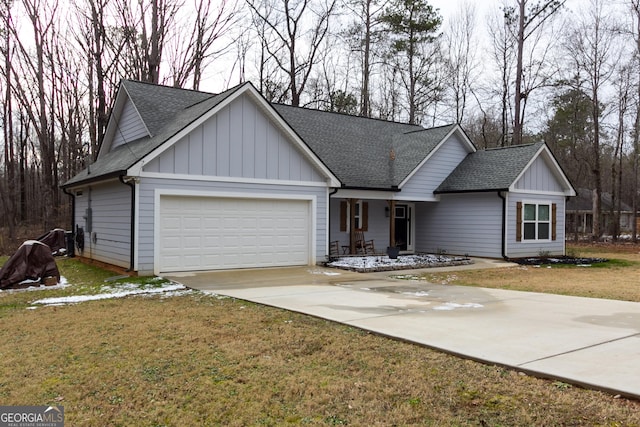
x: 188, y: 181
x: 580, y: 214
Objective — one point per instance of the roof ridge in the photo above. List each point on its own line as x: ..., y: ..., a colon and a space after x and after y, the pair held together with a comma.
x: 345, y: 114
x: 512, y: 146
x: 169, y: 87
x: 215, y: 95
x: 431, y: 128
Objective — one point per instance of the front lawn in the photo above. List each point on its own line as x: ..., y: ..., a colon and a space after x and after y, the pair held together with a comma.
x: 198, y: 359
x: 619, y: 278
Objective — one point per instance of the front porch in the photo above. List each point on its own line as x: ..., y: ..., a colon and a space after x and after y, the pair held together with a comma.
x: 380, y: 223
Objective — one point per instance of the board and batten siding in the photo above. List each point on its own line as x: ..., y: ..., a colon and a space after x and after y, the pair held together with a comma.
x: 147, y: 208
x: 539, y: 177
x: 238, y: 141
x: 439, y: 166
x: 130, y: 127
x: 461, y: 224
x: 533, y: 248
x: 111, y: 211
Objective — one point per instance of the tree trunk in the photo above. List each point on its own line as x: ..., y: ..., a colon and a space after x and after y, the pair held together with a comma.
x: 517, y: 119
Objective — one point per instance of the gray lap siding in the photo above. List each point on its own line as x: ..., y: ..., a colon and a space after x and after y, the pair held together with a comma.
x: 461, y: 224
x: 529, y: 248
x: 111, y: 218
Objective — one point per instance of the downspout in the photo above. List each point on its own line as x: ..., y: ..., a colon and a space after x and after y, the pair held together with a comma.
x: 334, y: 191
x: 132, y: 221
x: 504, y: 225
x: 73, y: 219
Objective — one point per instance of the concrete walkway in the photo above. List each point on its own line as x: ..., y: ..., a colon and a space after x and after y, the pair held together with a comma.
x: 585, y: 341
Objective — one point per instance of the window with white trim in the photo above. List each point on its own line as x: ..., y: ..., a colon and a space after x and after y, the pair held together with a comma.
x: 358, y: 214
x: 536, y: 221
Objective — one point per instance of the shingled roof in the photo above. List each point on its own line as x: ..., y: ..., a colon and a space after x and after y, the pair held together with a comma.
x: 361, y: 152
x: 165, y: 111
x: 358, y: 150
x: 158, y: 105
x: 489, y: 170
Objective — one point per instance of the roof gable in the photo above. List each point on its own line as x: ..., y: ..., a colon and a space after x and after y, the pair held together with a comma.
x: 363, y: 152
x: 143, y: 109
x: 239, y: 141
x: 500, y: 169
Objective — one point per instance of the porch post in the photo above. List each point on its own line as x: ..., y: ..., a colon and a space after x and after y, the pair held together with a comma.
x: 392, y: 222
x: 352, y: 225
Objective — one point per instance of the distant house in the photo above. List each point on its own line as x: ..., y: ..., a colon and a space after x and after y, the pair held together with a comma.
x: 188, y: 181
x: 580, y: 213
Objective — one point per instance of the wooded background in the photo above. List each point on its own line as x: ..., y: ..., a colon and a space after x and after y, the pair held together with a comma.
x: 526, y: 71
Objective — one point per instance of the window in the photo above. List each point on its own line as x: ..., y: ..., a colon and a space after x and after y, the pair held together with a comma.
x: 536, y: 221
x: 360, y: 214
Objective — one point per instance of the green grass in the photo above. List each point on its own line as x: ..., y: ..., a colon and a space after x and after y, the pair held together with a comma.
x: 200, y: 359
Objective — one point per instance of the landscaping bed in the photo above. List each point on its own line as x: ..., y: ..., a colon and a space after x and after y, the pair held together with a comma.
x: 562, y: 260
x: 372, y: 263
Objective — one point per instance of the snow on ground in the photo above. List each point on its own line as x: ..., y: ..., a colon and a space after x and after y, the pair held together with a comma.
x: 384, y: 263
x: 119, y: 291
x: 35, y: 285
x: 453, y: 305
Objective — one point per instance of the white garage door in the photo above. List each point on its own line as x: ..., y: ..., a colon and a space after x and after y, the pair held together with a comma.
x: 208, y: 233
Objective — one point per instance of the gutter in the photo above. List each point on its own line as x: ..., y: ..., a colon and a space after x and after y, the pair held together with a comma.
x: 504, y: 225
x: 393, y: 189
x: 97, y: 178
x: 471, y: 191
x: 121, y: 178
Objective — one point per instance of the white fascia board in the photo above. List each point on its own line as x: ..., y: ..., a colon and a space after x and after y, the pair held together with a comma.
x: 116, y: 112
x: 379, y: 195
x: 465, y: 141
x: 555, y: 169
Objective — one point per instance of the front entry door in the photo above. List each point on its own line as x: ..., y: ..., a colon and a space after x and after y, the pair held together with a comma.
x: 404, y: 227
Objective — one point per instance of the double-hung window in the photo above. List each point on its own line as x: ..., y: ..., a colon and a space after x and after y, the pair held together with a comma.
x: 536, y: 221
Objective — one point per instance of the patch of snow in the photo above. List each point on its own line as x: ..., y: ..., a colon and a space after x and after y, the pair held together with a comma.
x: 37, y: 286
x: 417, y: 294
x: 407, y: 277
x: 453, y: 305
x: 125, y: 290
x: 383, y: 262
x: 325, y: 272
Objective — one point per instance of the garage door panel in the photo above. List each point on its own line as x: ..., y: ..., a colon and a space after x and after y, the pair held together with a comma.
x: 199, y: 233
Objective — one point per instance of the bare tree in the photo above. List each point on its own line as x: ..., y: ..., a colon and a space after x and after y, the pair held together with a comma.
x: 32, y: 92
x: 622, y: 86
x: 295, y: 31
x: 194, y: 41
x: 364, y: 34
x: 591, y: 47
x: 8, y: 185
x: 460, y: 58
x: 527, y: 17
x: 635, y: 33
x: 503, y: 48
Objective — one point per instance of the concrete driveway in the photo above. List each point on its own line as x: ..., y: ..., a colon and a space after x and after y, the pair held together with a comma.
x: 585, y: 341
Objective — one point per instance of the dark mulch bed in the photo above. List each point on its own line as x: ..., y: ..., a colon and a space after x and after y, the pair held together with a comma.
x: 558, y: 260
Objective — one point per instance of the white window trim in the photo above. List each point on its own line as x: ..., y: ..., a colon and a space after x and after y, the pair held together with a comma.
x: 537, y: 221
x: 357, y: 216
